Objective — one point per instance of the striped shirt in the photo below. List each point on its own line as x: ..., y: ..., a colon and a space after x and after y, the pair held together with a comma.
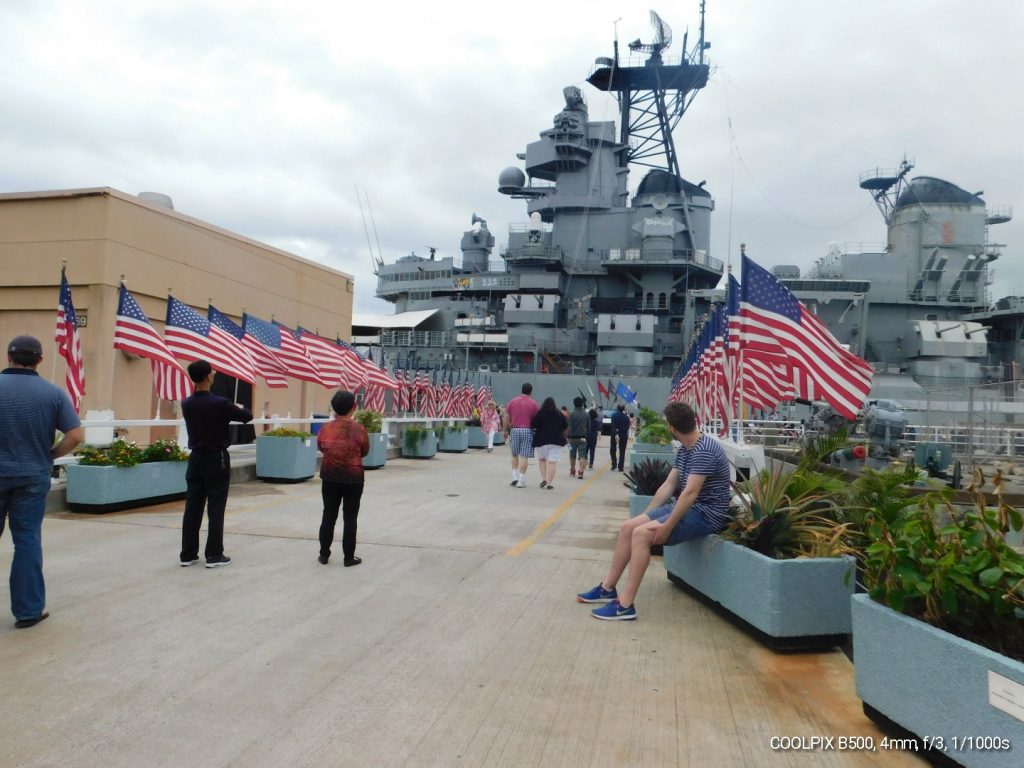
x: 707, y: 458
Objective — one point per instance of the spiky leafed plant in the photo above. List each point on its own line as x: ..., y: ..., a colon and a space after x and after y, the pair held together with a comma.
x: 646, y: 476
x: 786, y: 514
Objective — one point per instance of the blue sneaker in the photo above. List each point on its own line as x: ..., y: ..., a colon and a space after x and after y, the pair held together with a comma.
x: 614, y: 612
x: 597, y: 595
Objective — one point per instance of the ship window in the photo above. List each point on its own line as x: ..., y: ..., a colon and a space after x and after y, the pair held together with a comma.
x: 638, y: 297
x: 675, y: 324
x: 650, y: 301
x: 612, y: 325
x: 931, y: 317
x: 662, y: 301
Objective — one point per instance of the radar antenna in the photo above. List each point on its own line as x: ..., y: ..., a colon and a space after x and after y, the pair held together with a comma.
x: 662, y: 39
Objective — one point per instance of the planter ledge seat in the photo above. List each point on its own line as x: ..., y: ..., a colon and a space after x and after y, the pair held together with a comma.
x: 800, y: 604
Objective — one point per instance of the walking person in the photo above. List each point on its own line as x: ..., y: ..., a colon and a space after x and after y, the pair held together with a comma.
x: 208, y: 475
x: 549, y: 428
x: 593, y: 433
x: 518, y: 432
x: 579, y: 427
x: 343, y: 442
x: 491, y: 423
x: 692, y: 502
x: 619, y: 437
x: 32, y: 410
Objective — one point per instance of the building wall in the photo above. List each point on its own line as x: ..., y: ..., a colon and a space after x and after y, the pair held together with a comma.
x: 103, y: 234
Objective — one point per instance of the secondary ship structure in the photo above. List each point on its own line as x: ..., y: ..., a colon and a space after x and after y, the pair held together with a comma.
x: 597, y: 280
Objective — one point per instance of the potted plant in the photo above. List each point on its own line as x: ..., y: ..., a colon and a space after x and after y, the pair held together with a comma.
x: 938, y: 640
x: 373, y: 421
x: 782, y: 567
x: 418, y: 442
x: 452, y: 438
x: 285, y: 456
x: 643, y: 480
x: 122, y: 475
x: 653, y: 437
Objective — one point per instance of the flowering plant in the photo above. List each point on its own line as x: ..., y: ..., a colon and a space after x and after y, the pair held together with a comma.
x: 122, y: 453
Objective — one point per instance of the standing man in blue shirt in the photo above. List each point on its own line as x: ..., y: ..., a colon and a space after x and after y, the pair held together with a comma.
x: 692, y: 502
x: 208, y: 476
x: 620, y: 435
x: 32, y: 410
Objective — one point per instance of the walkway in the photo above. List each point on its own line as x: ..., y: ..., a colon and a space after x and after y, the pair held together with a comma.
x: 457, y: 642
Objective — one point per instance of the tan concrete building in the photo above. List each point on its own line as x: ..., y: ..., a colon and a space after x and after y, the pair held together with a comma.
x: 103, y: 234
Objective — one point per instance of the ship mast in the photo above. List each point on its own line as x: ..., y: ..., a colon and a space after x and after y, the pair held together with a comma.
x: 654, y: 95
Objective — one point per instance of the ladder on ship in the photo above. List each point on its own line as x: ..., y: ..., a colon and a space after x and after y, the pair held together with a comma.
x: 555, y: 364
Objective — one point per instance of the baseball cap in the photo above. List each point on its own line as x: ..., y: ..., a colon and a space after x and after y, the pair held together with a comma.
x: 25, y: 344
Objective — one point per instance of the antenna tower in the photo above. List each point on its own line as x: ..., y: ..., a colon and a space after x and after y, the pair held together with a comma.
x: 654, y: 95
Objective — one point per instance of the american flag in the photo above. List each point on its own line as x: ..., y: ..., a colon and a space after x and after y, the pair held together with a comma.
x: 329, y: 360
x: 191, y: 336
x: 69, y: 346
x: 430, y: 397
x: 376, y: 375
x: 773, y: 320
x: 263, y: 360
x: 134, y: 334
x: 282, y: 344
x: 355, y: 370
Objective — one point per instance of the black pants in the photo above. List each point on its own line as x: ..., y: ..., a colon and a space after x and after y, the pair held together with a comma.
x: 591, y: 450
x: 347, y: 496
x: 621, y: 440
x: 207, y: 478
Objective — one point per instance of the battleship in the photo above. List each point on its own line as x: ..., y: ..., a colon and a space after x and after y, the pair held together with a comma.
x: 599, y: 282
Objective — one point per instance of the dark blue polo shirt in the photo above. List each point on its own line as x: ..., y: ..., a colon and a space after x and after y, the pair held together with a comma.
x: 206, y: 419
x: 31, y: 411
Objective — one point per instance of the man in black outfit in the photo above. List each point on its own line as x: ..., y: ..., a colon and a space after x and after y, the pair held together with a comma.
x: 209, y: 467
x: 620, y: 434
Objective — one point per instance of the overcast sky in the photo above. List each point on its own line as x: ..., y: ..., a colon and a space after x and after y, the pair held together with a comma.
x: 263, y: 116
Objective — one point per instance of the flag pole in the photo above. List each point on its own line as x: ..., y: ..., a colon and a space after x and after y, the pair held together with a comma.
x: 113, y: 358
x: 56, y: 348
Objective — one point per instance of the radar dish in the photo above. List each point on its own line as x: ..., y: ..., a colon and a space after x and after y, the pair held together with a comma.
x: 662, y: 38
x: 660, y: 202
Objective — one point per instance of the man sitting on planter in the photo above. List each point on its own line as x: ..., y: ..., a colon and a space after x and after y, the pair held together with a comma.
x: 704, y: 475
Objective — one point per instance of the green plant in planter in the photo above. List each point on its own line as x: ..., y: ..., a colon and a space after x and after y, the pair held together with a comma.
x: 785, y: 514
x: 413, y: 436
x: 456, y: 428
x: 164, y: 449
x: 657, y: 433
x: 373, y: 421
x: 282, y: 432
x: 647, y: 416
x: 647, y: 476
x: 961, y: 576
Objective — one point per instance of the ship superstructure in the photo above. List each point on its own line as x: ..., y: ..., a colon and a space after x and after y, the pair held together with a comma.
x: 597, y: 279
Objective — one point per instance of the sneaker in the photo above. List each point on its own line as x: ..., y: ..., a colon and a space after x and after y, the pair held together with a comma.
x: 543, y: 483
x: 514, y: 483
x: 579, y: 475
x: 26, y: 623
x: 597, y: 595
x: 520, y: 484
x: 187, y: 563
x: 572, y: 473
x: 350, y: 561
x: 322, y: 559
x: 614, y: 612
x: 217, y: 562
x: 549, y: 487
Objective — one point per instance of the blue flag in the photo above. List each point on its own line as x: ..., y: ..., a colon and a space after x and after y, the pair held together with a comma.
x: 625, y: 393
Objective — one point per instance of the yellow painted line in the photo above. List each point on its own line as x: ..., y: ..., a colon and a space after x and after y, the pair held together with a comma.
x: 553, y: 518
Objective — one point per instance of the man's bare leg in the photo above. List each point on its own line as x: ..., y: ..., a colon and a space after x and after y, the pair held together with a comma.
x: 643, y: 537
x: 623, y: 550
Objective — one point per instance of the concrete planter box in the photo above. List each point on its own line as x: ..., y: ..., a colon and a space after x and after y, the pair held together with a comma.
x: 452, y: 441
x: 499, y: 438
x: 935, y: 684
x: 654, y: 448
x: 637, y: 504
x: 790, y: 604
x: 653, y: 451
x: 285, y: 459
x: 107, y: 489
x: 425, y: 449
x: 378, y: 451
x: 478, y: 438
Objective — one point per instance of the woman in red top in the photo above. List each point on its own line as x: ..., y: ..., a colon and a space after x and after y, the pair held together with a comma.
x: 343, y: 442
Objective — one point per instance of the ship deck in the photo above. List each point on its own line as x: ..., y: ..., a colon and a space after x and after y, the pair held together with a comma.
x: 457, y: 641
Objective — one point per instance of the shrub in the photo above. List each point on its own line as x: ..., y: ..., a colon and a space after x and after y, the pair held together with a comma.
x: 646, y: 477
x: 647, y: 416
x: 961, y: 577
x: 657, y: 433
x: 122, y: 453
x: 372, y: 420
x: 413, y: 436
x: 164, y: 449
x: 282, y: 432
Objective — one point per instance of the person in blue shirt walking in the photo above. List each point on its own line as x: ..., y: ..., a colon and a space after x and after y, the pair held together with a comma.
x: 620, y: 436
x: 32, y: 410
x: 692, y: 502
